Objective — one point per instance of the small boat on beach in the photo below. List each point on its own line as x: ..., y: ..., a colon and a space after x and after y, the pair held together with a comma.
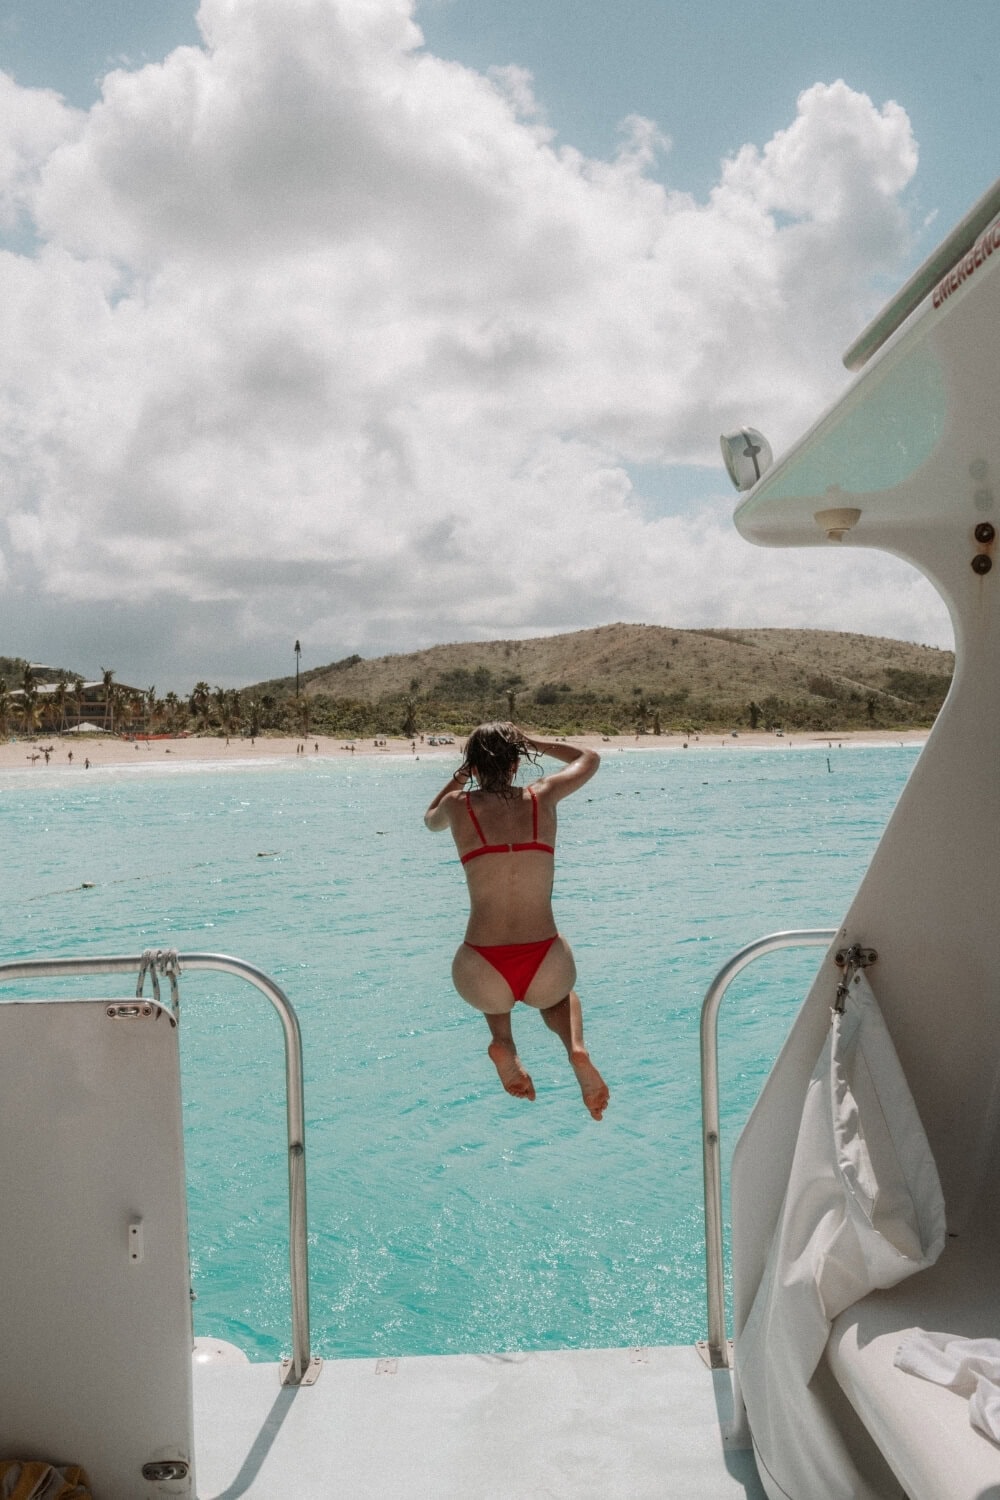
x: 865, y: 1305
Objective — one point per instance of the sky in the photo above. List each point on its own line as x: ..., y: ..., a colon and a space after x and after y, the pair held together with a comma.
x: 374, y: 324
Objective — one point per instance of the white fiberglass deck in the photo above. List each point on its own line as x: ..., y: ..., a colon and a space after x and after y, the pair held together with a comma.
x: 592, y: 1424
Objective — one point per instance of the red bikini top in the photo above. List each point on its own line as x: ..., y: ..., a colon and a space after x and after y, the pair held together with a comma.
x: 486, y: 848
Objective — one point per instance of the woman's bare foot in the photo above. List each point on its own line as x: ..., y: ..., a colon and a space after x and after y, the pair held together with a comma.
x: 512, y: 1075
x: 592, y: 1086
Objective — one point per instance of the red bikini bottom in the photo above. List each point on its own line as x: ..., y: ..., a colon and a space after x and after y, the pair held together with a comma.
x: 517, y: 963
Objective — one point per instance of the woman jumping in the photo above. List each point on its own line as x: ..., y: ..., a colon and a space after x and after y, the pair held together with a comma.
x: 505, y: 836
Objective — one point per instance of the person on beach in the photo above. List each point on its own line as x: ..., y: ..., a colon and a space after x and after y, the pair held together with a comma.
x: 505, y: 837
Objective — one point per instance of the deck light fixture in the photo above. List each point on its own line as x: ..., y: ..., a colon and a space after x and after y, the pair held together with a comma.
x: 838, y: 521
x: 747, y: 454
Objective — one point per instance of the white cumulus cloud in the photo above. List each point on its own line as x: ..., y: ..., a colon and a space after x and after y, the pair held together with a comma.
x: 321, y: 336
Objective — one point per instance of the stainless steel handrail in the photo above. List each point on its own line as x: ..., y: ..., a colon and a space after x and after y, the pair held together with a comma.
x: 924, y: 279
x: 300, y: 1364
x: 718, y: 1348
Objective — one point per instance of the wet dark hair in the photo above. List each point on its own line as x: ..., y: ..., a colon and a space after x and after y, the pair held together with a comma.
x: 493, y: 753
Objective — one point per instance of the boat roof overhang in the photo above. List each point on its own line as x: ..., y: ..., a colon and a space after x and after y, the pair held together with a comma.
x: 911, y: 452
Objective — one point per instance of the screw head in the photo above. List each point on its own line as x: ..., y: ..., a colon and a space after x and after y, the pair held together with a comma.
x: 982, y: 563
x: 985, y: 532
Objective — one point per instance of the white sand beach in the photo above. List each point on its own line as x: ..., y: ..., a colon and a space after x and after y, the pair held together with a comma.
x: 29, y: 755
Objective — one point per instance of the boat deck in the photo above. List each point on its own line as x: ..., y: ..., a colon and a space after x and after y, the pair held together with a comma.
x: 611, y: 1424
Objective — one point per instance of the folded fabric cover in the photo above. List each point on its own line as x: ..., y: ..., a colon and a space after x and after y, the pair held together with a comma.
x: 40, y: 1481
x: 970, y: 1367
x: 863, y: 1209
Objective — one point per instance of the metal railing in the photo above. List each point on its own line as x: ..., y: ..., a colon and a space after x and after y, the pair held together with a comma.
x: 925, y: 279
x: 301, y: 1368
x: 718, y: 1348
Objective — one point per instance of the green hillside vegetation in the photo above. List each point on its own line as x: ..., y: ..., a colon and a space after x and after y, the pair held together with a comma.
x: 622, y: 679
x: 618, y: 679
x: 12, y: 670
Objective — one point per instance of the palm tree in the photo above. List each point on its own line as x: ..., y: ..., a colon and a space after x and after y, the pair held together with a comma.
x: 60, y: 701
x: 78, y: 695
x: 410, y: 719
x: 129, y: 709
x: 107, y: 678
x: 4, y: 708
x: 123, y: 707
x: 30, y: 712
x: 200, y: 700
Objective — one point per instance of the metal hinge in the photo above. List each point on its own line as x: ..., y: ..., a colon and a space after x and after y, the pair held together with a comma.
x: 850, y: 960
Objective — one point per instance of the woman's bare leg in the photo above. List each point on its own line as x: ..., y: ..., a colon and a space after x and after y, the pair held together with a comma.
x: 503, y: 1055
x: 566, y: 1020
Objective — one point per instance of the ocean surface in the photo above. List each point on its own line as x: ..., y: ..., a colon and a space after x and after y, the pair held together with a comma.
x: 446, y: 1217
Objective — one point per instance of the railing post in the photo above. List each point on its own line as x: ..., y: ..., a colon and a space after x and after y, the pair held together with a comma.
x: 924, y: 279
x: 718, y: 1347
x: 301, y: 1369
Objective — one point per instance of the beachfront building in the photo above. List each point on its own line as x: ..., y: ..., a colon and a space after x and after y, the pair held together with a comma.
x: 71, y: 703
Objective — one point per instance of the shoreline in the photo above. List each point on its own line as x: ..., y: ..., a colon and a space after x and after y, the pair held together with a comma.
x: 73, y: 752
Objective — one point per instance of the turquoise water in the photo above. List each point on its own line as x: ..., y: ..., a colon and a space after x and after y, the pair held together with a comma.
x: 445, y: 1216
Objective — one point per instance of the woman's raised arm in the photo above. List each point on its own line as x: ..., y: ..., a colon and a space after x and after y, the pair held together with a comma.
x: 436, y: 817
x: 580, y: 763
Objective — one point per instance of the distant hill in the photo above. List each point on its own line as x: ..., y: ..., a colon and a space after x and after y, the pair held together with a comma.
x: 12, y: 669
x: 618, y: 675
